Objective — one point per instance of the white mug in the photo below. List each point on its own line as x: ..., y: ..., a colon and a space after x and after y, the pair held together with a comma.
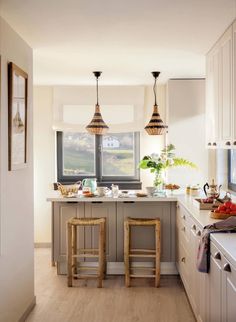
x: 150, y: 190
x: 102, y: 191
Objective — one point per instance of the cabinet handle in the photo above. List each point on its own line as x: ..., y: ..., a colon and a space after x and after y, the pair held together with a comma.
x: 227, y: 268
x: 193, y: 227
x: 227, y: 143
x: 72, y: 202
x: 217, y: 255
x: 183, y: 217
x: 209, y: 144
x: 183, y: 228
x: 97, y: 201
x: 183, y: 259
x: 234, y: 143
x: 214, y: 144
x: 177, y: 206
x: 128, y: 201
x: 199, y: 233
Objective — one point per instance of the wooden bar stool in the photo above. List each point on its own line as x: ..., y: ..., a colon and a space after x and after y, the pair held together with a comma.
x: 73, y: 253
x: 143, y: 253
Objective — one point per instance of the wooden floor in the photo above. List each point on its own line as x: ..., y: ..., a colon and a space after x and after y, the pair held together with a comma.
x: 113, y: 303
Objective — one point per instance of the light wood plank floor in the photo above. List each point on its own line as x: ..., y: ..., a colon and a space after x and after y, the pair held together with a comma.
x: 113, y: 303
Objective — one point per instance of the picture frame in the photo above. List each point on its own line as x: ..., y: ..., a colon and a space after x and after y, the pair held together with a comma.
x: 17, y: 117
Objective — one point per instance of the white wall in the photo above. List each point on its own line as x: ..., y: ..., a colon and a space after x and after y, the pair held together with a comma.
x: 44, y: 153
x: 186, y: 120
x: 44, y: 162
x: 16, y: 194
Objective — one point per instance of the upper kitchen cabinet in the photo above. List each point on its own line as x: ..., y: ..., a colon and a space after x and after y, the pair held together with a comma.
x: 220, y: 116
x: 234, y: 83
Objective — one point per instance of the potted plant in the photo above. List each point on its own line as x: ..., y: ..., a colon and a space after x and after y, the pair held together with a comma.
x: 159, y: 163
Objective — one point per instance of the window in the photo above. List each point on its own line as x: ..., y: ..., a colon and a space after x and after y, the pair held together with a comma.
x: 232, y: 170
x: 110, y: 158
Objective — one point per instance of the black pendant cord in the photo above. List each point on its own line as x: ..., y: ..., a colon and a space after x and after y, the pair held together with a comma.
x: 154, y: 91
x: 97, y: 91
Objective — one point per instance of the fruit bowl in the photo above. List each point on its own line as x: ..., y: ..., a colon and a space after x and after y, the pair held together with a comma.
x: 224, y: 211
x: 172, y: 187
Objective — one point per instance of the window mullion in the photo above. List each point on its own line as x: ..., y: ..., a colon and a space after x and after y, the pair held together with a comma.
x: 98, y: 147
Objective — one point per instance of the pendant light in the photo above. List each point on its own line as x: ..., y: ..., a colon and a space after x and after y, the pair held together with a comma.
x: 97, y: 125
x: 155, y: 125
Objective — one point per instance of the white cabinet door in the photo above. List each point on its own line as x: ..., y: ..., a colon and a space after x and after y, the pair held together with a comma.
x: 229, y: 292
x: 220, y: 92
x: 210, y: 115
x: 215, y: 291
x: 234, y: 85
x: 226, y: 68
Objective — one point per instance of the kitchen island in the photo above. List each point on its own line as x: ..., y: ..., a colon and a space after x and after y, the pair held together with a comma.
x: 115, y: 210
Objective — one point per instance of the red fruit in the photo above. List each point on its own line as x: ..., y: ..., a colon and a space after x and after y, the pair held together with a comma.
x: 228, y: 204
x: 223, y: 211
x: 233, y: 207
x: 216, y: 210
x: 223, y: 208
x: 227, y: 211
x: 233, y: 212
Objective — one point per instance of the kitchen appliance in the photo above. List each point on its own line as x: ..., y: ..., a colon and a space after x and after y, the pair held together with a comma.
x: 89, y: 183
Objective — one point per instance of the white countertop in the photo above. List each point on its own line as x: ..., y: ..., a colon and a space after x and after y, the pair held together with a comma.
x: 224, y: 241
x: 56, y: 197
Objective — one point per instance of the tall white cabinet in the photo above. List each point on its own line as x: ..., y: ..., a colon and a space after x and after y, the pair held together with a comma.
x: 220, y: 91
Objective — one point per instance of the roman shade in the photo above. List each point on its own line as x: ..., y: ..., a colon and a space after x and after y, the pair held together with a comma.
x: 121, y: 107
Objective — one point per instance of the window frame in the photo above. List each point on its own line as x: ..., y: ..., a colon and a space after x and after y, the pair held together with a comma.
x: 125, y: 182
x: 231, y: 185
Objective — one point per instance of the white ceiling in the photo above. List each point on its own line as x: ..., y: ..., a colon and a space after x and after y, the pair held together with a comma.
x: 126, y: 39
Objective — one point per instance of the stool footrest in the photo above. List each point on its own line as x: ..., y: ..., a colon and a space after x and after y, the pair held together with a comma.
x: 142, y: 276
x: 85, y: 268
x: 80, y: 276
x: 85, y: 255
x: 143, y: 255
x: 143, y: 250
x: 143, y: 268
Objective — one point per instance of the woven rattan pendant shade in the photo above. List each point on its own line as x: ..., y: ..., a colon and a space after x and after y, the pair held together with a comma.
x: 156, y: 125
x: 97, y: 125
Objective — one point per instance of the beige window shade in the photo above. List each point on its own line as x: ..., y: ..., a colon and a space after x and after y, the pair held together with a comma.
x: 122, y: 110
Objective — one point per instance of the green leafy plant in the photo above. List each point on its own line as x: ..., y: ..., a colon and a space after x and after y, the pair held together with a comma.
x: 159, y: 163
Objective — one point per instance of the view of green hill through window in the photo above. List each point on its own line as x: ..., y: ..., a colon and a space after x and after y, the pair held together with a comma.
x: 118, y: 157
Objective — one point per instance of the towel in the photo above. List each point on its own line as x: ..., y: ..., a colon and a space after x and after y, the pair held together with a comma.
x: 203, y: 257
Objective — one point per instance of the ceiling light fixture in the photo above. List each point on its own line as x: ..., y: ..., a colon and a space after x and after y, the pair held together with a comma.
x: 97, y: 125
x: 155, y: 125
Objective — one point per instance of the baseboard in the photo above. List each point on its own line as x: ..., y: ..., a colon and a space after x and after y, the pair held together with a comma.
x: 28, y: 310
x: 117, y: 268
x: 42, y: 245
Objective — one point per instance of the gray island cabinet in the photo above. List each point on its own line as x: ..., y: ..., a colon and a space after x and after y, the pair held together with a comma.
x: 115, y: 211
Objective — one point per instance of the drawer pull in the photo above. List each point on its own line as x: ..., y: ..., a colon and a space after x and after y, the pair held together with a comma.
x: 199, y: 233
x: 193, y: 227
x: 227, y: 143
x: 227, y: 268
x: 183, y: 228
x: 183, y: 217
x: 183, y: 259
x: 214, y: 144
x: 97, y: 201
x: 209, y: 144
x: 217, y: 255
x: 128, y: 201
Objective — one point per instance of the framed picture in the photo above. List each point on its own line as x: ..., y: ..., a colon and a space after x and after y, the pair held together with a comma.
x: 17, y: 117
